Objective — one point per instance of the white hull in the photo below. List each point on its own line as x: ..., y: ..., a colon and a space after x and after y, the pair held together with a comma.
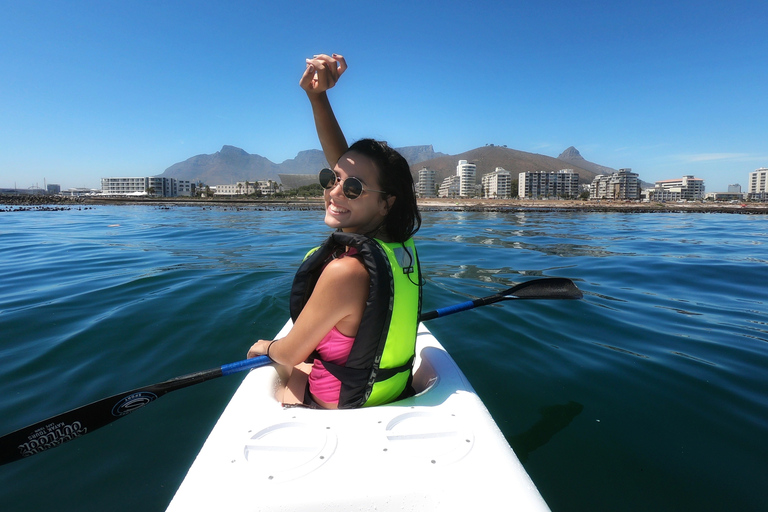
x: 439, y: 450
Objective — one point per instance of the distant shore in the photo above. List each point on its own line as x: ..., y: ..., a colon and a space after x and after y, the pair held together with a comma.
x: 38, y: 202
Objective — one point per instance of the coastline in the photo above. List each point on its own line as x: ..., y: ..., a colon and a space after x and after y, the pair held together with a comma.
x: 27, y: 202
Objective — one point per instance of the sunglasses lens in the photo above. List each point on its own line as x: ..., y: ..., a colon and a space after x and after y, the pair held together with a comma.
x: 327, y: 178
x: 352, y: 188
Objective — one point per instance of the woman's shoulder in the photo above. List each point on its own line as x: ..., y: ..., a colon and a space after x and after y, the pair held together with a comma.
x: 347, y: 267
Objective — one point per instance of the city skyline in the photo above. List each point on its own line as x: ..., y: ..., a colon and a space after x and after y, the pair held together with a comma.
x: 92, y: 90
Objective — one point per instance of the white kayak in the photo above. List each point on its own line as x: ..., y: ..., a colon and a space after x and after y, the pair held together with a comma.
x: 438, y: 450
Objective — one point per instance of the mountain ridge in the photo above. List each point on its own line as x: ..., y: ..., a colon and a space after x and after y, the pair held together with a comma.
x: 232, y: 164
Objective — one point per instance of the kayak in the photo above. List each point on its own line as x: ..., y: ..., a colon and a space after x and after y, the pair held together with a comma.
x: 437, y: 450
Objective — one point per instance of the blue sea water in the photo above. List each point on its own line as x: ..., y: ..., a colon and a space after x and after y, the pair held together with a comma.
x: 651, y: 393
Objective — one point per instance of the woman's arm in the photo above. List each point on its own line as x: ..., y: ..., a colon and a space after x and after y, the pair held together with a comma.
x: 322, y: 73
x: 338, y: 300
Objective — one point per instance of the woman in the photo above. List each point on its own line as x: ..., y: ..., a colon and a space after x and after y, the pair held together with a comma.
x: 356, y: 299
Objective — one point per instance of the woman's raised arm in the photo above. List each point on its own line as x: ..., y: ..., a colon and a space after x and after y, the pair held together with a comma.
x: 322, y: 73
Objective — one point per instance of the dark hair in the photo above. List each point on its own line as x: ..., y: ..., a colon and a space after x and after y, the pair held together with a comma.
x: 395, y: 179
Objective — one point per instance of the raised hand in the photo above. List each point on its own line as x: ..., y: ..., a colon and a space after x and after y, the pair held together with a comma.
x: 322, y: 73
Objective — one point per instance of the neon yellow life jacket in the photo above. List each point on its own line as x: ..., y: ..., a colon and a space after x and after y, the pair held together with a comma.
x: 380, y: 362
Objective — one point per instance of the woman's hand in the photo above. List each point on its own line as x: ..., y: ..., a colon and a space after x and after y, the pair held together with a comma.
x: 259, y: 348
x: 322, y: 73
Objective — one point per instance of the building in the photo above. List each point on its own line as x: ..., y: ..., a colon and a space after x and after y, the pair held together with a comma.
x: 621, y: 185
x: 563, y: 183
x: 686, y: 188
x: 497, y: 184
x: 758, y: 185
x: 245, y: 188
x: 426, y: 184
x: 467, y: 178
x: 724, y: 196
x: 149, y: 185
x: 268, y: 187
x: 734, y: 194
x: 449, y: 187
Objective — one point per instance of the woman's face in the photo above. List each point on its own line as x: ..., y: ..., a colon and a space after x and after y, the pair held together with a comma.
x: 367, y: 212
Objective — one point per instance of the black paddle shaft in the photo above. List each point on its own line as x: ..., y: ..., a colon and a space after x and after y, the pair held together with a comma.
x: 547, y: 288
x: 59, y: 429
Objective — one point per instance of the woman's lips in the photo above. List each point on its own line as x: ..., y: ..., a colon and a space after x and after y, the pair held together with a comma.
x: 337, y: 209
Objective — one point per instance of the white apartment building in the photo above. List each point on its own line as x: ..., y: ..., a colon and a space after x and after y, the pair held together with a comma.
x: 497, y: 184
x: 758, y: 184
x: 467, y: 175
x: 266, y: 187
x: 426, y: 184
x: 623, y: 184
x: 148, y: 185
x: 686, y: 188
x: 563, y: 183
x: 450, y: 187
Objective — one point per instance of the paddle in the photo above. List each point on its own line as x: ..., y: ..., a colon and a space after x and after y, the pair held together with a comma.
x: 547, y: 288
x: 83, y: 420
x: 64, y: 427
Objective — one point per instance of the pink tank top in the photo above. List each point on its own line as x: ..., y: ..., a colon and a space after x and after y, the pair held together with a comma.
x: 334, y: 348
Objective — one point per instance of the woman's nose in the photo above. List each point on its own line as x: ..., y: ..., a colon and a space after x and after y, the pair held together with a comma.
x: 336, y: 187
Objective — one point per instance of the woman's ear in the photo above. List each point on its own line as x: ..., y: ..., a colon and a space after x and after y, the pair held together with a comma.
x: 387, y: 205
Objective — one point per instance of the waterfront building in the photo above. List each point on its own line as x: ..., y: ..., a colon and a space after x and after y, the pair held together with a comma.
x: 268, y: 187
x: 80, y: 192
x: 686, y: 188
x: 734, y: 189
x: 758, y: 185
x: 467, y: 178
x: 148, y: 185
x: 497, y: 184
x: 621, y: 185
x: 426, y: 184
x: 724, y: 196
x: 245, y: 188
x: 562, y: 183
x: 450, y: 187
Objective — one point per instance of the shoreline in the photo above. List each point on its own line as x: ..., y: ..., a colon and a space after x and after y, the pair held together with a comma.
x: 24, y: 203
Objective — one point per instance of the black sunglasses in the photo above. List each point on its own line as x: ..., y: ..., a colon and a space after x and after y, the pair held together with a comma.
x: 351, y: 187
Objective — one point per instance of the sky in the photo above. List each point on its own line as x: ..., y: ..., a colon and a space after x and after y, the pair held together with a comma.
x: 92, y: 89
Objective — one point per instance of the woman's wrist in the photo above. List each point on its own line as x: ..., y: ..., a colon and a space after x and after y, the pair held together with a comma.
x: 269, y: 346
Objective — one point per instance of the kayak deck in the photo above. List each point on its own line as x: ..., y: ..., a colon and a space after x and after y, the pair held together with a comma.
x: 438, y: 450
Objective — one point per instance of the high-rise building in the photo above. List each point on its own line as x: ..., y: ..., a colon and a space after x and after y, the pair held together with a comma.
x: 426, y: 184
x: 621, y: 185
x: 467, y: 175
x: 449, y: 187
x: 497, y: 184
x: 563, y: 183
x: 758, y: 184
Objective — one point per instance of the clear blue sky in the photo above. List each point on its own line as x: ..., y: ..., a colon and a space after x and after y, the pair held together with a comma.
x: 90, y: 89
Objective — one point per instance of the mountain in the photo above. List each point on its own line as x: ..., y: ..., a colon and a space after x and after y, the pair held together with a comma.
x: 224, y: 167
x: 488, y: 158
x: 232, y: 164
x: 573, y: 157
x: 417, y: 154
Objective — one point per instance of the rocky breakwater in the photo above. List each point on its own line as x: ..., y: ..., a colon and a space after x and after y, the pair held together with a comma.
x: 28, y: 202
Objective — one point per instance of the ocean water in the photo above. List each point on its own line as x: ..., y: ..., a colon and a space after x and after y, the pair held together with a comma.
x: 651, y: 393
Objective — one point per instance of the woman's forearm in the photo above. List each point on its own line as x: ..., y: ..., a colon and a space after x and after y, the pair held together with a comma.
x: 329, y: 132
